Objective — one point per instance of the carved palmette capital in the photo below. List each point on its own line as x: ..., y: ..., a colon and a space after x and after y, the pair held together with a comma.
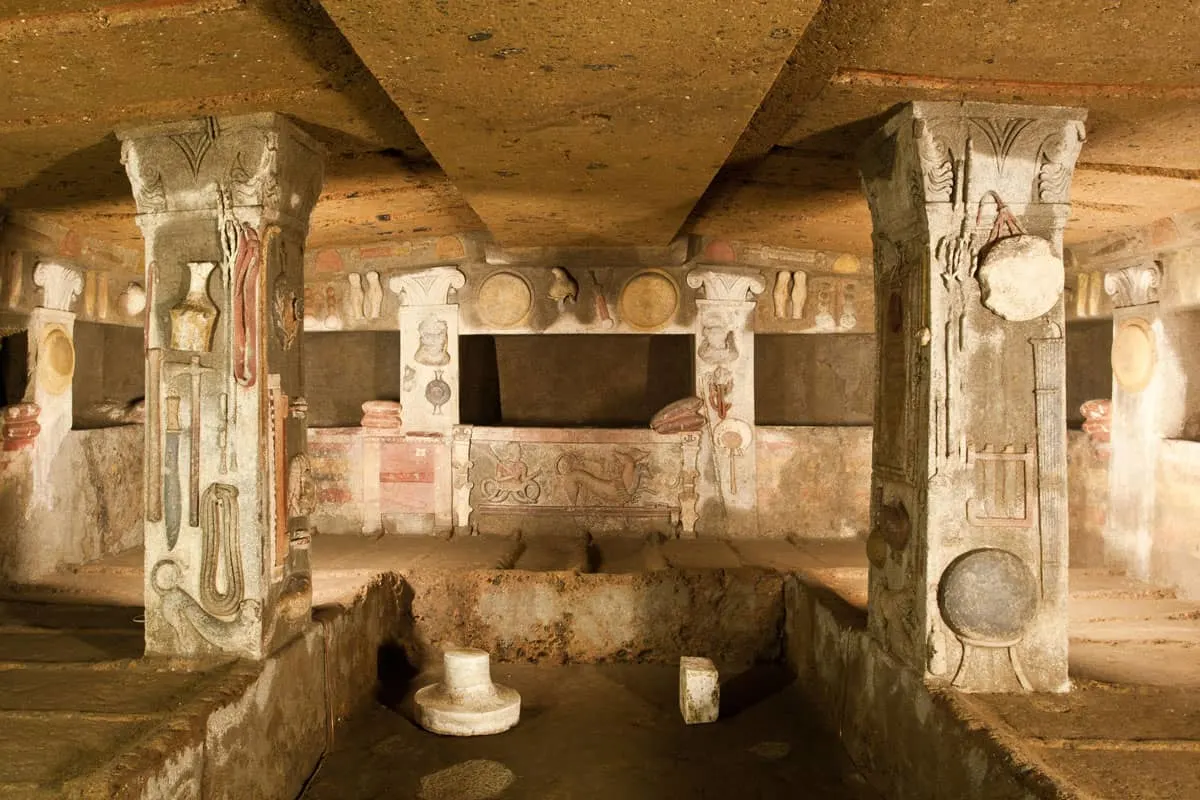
x: 210, y: 163
x: 60, y: 285
x: 426, y: 287
x: 730, y: 285
x: 1134, y: 286
x: 961, y: 153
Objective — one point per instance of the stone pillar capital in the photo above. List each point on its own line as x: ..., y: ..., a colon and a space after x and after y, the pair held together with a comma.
x: 1135, y: 285
x: 426, y: 287
x: 255, y: 161
x: 727, y: 285
x: 60, y: 285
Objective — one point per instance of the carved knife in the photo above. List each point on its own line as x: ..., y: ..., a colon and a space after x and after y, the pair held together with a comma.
x: 172, y: 491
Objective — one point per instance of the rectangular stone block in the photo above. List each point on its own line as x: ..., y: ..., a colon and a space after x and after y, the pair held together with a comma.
x: 699, y: 690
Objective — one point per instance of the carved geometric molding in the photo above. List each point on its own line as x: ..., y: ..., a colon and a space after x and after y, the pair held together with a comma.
x: 1134, y: 286
x: 427, y: 287
x: 60, y: 285
x: 729, y: 285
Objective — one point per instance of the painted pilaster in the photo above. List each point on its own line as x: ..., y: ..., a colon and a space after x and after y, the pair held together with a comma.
x: 429, y: 347
x: 223, y: 205
x: 1142, y: 387
x: 968, y: 542
x: 51, y: 365
x: 724, y: 375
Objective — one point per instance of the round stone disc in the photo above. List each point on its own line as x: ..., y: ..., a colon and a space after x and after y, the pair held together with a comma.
x: 1021, y: 278
x: 649, y: 300
x: 56, y: 366
x: 988, y: 595
x: 504, y: 299
x: 1133, y: 354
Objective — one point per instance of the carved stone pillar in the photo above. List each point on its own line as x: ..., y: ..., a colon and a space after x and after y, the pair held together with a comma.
x: 224, y: 207
x: 968, y: 542
x: 51, y: 366
x: 429, y: 348
x: 1141, y: 388
x: 724, y: 374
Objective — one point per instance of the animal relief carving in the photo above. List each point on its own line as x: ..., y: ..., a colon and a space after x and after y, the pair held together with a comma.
x: 620, y: 484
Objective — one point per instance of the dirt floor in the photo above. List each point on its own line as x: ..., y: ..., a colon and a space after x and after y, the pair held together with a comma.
x: 71, y: 680
x: 600, y: 732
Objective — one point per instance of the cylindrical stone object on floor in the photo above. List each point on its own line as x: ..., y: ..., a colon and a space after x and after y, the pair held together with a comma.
x: 466, y: 702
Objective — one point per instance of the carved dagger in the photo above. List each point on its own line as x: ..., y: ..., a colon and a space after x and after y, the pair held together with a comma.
x: 171, y: 488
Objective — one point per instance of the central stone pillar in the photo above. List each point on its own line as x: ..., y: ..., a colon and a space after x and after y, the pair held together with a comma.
x: 724, y: 375
x: 968, y: 542
x: 224, y: 206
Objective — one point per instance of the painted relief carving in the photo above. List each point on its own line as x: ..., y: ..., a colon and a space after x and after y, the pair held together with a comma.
x: 194, y: 372
x: 733, y: 438
x: 149, y: 193
x: 154, y: 447
x: 1097, y: 424
x: 689, y: 474
x: 680, y: 416
x: 799, y: 293
x: 1020, y: 278
x: 718, y: 342
x: 381, y: 415
x: 433, y: 347
x: 1005, y: 481
x: 132, y: 301
x: 988, y: 597
x: 1056, y: 163
x: 333, y: 316
x: 172, y: 490
x: 373, y: 302
x: 409, y: 382
x: 1134, y: 354
x: 728, y: 284
x: 1134, y: 286
x: 195, y: 315
x: 260, y: 186
x: 437, y: 392
x: 60, y: 285
x: 720, y: 391
x: 21, y: 425
x: 603, y: 318
x: 356, y: 295
x: 513, y: 482
x: 782, y: 293
x: 288, y: 313
x: 460, y: 467
x: 194, y: 629
x: 849, y: 316
x: 937, y: 164
x: 587, y: 485
x: 563, y: 288
x: 504, y: 299
x: 823, y: 319
x: 245, y: 304
x: 649, y: 300
x: 222, y: 582
x: 427, y: 287
x: 195, y: 145
x: 301, y: 492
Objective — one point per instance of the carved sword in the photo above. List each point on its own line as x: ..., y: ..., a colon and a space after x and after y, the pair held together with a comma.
x: 171, y: 488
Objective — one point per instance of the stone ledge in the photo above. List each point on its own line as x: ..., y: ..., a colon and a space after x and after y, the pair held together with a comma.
x: 909, y: 739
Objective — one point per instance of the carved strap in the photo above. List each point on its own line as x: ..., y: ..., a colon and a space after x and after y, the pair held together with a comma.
x: 245, y: 307
x: 219, y: 523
